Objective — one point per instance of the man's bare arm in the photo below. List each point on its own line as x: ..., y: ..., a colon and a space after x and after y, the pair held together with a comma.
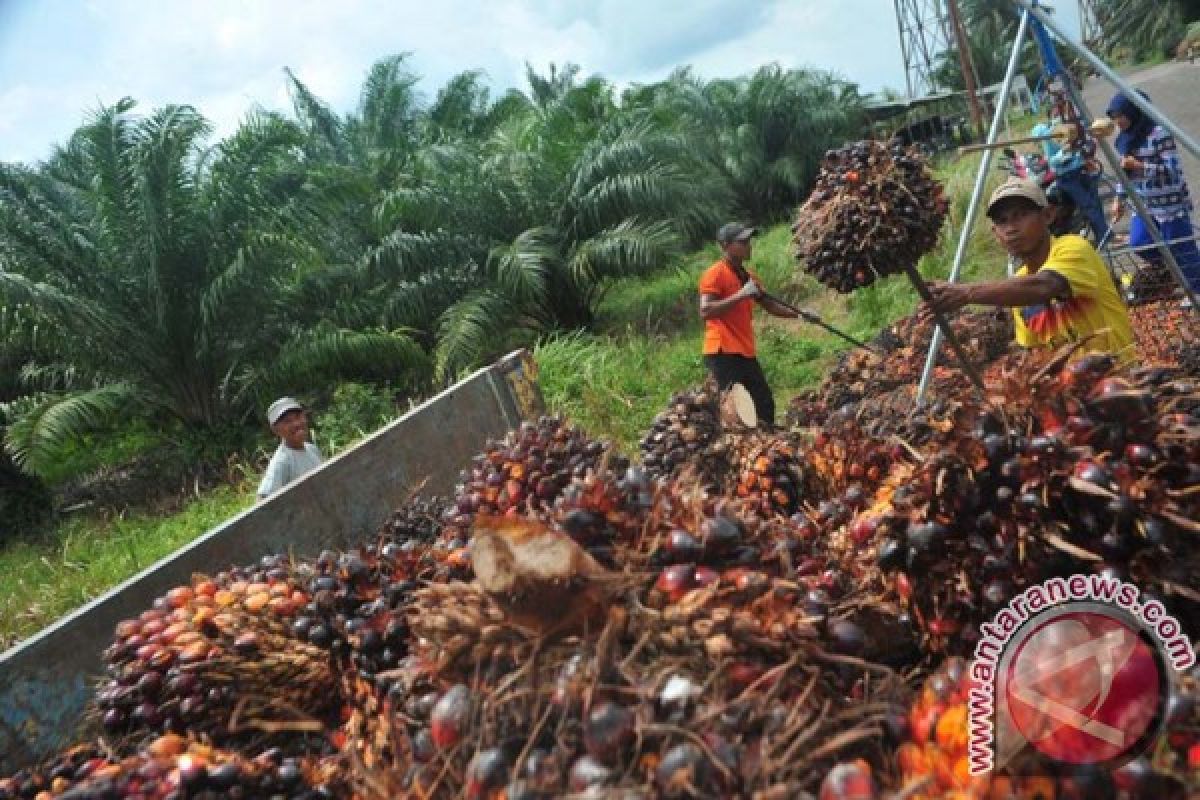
x: 711, y: 307
x: 1027, y: 290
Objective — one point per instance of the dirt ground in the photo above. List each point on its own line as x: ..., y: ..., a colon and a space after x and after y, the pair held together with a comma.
x: 1174, y: 88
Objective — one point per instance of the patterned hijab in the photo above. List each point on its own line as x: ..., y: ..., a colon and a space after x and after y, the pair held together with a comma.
x: 1141, y: 125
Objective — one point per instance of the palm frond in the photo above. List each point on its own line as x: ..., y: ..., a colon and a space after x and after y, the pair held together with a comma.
x: 521, y: 267
x: 39, y: 427
x: 325, y: 355
x: 480, y: 324
x: 322, y: 124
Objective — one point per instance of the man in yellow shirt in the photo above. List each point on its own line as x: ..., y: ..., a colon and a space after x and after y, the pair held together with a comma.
x: 1061, y: 293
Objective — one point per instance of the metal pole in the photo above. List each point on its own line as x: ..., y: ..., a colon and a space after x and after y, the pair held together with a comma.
x: 1054, y: 67
x: 1116, y: 80
x: 1139, y: 205
x: 976, y: 195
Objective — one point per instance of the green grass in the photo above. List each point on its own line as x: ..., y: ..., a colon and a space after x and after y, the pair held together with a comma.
x: 43, y: 578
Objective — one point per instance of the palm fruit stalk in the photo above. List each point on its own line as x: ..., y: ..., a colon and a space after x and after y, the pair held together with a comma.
x: 875, y: 210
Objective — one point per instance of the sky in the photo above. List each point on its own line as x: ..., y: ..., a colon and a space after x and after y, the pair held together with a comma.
x: 60, y: 60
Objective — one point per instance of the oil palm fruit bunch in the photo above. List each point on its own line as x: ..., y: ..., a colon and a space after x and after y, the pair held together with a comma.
x: 875, y: 210
x: 842, y: 456
x: 900, y: 359
x: 457, y: 626
x: 357, y: 597
x: 770, y: 473
x: 933, y: 749
x: 605, y: 509
x: 54, y: 776
x: 158, y: 676
x: 525, y: 471
x: 681, y: 434
x: 418, y: 521
x: 172, y: 766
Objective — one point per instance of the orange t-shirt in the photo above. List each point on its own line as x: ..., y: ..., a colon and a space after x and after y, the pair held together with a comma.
x: 733, y: 332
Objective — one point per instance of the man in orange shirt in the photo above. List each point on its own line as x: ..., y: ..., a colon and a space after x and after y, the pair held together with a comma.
x: 728, y: 292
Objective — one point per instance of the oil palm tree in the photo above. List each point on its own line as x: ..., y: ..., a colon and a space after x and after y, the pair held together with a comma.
x: 176, y: 273
x: 559, y: 203
x: 763, y: 134
x: 1143, y: 27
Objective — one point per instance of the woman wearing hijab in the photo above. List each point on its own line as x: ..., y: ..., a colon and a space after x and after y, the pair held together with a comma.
x: 1151, y: 160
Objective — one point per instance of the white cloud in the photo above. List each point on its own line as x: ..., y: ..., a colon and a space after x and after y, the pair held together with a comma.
x: 224, y: 56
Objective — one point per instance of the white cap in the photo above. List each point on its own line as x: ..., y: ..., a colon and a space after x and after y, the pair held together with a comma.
x: 280, y: 407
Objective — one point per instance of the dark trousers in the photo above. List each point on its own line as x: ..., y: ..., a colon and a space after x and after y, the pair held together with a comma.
x: 729, y: 369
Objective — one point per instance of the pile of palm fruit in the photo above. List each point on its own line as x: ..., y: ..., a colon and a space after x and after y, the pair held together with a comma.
x: 740, y: 615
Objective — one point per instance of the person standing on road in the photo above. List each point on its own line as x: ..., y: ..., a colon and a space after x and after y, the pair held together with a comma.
x: 728, y: 292
x: 296, y: 455
x: 1150, y: 158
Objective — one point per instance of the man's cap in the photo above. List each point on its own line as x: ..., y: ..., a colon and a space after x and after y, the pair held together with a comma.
x: 282, y: 406
x: 734, y: 232
x: 1017, y: 187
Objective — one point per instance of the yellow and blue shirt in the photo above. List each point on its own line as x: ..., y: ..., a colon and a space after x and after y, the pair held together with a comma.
x: 1093, y: 306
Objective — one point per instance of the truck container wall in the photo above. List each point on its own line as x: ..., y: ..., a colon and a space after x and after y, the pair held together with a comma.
x: 47, y: 680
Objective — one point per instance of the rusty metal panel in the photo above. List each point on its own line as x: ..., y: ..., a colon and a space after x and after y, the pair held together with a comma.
x: 46, y: 681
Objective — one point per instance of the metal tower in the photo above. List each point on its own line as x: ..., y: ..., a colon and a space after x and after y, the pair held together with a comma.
x: 1090, y: 32
x: 924, y: 32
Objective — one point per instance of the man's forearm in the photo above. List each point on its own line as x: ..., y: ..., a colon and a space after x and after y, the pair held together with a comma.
x: 719, y: 308
x: 1010, y: 293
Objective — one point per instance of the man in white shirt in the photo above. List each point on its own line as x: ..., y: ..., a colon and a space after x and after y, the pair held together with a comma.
x: 296, y: 455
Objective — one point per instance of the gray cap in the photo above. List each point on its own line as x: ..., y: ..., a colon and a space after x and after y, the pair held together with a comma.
x: 1017, y: 187
x: 734, y: 232
x: 282, y: 406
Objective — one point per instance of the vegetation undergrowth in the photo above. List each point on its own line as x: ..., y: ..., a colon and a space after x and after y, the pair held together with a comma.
x: 41, y: 579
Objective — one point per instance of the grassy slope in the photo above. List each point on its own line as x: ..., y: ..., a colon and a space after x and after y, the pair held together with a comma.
x: 612, y: 384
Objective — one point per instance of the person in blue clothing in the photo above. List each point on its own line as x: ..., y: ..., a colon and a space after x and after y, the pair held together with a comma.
x: 1150, y: 158
x: 1077, y: 173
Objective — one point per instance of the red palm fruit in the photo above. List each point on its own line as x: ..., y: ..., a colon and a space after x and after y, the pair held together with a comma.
x: 450, y: 715
x: 675, y: 581
x: 488, y: 770
x: 705, y: 577
x: 922, y: 719
x: 180, y: 596
x: 864, y: 528
x: 911, y: 760
x: 848, y: 782
x: 608, y: 729
x: 950, y: 732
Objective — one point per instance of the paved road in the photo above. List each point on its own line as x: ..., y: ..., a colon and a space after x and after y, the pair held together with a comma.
x: 1175, y: 89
